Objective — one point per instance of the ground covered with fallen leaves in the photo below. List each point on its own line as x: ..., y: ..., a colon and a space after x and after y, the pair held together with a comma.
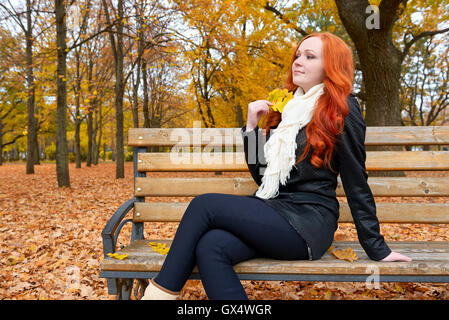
x: 51, y: 245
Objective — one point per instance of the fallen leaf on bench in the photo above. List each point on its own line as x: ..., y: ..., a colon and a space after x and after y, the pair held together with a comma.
x: 159, y: 247
x: 348, y: 255
x: 117, y: 256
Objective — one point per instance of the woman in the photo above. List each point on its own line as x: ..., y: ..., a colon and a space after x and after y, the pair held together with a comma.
x: 293, y: 215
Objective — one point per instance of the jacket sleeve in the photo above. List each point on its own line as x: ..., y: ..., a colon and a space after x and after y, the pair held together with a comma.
x: 256, y: 164
x: 351, y: 157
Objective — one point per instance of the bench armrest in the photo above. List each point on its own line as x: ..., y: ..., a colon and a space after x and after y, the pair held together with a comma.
x: 111, y: 227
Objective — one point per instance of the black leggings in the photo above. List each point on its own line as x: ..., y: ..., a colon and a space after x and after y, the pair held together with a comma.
x: 218, y: 231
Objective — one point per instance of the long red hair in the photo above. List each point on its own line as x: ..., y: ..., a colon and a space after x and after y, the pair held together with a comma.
x: 331, y: 108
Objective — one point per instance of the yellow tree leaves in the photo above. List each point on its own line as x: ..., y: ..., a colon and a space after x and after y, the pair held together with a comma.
x: 237, y: 52
x: 279, y: 98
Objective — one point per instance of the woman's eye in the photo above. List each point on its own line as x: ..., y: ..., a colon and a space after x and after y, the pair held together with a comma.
x: 308, y: 57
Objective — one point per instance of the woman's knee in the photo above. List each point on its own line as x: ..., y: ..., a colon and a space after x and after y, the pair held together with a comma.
x: 202, y: 204
x: 204, y: 198
x: 211, y: 244
x: 201, y: 201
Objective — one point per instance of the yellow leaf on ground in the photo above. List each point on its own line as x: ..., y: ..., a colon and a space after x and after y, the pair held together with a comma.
x: 14, y: 260
x: 40, y: 263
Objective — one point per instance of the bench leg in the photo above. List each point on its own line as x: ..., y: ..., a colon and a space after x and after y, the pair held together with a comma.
x: 112, y: 286
x: 124, y: 288
x: 140, y: 287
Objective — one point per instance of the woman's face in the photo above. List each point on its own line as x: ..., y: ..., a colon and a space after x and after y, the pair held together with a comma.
x: 308, y: 67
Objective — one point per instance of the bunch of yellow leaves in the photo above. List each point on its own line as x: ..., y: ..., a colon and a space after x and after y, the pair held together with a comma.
x: 159, y: 247
x: 279, y: 98
x: 348, y: 254
x: 117, y: 256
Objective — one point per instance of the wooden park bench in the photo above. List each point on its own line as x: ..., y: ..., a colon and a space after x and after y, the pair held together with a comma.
x: 430, y: 258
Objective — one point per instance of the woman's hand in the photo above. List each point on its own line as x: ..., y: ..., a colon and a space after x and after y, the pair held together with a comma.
x: 395, y: 256
x: 255, y: 111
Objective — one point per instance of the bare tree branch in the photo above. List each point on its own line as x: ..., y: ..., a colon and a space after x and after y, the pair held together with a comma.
x: 417, y: 37
x: 281, y: 16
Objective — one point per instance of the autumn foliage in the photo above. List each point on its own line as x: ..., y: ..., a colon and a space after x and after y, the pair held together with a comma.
x: 52, y: 247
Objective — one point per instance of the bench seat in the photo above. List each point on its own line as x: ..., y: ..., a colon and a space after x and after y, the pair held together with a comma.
x: 430, y: 264
x: 430, y: 259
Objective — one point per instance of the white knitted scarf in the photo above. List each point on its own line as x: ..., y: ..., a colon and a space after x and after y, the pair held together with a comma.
x: 280, y: 148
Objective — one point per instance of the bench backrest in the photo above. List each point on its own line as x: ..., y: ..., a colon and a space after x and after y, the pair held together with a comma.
x: 228, y: 155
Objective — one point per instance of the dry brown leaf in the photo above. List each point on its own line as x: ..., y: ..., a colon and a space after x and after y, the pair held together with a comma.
x: 347, y: 254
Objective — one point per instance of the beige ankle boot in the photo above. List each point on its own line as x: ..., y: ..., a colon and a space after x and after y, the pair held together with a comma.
x: 155, y: 292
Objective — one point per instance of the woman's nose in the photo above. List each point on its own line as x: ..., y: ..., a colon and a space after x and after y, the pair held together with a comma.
x: 298, y: 61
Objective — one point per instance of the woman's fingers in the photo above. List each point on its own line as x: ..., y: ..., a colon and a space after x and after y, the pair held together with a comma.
x: 395, y: 256
x: 256, y: 109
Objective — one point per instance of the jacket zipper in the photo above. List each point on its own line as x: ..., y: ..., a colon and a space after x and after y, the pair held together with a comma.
x: 310, y: 251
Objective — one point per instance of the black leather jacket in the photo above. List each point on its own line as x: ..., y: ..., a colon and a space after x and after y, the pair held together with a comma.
x: 308, y: 200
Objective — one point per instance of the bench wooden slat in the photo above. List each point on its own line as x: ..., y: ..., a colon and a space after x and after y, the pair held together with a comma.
x: 407, y: 160
x: 429, y: 258
x: 235, y: 161
x: 386, y: 212
x: 429, y: 135
x: 380, y: 186
x: 390, y: 136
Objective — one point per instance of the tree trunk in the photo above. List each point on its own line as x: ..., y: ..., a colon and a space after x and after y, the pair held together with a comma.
x: 100, y: 125
x: 77, y: 141
x: 239, y: 116
x: 146, y: 116
x: 36, y: 142
x: 89, y: 138
x: 380, y: 62
x: 62, y: 164
x: 92, y: 101
x: 94, y: 137
x: 117, y: 50
x: 30, y: 98
x: 136, y: 86
x: 1, y: 141
x: 77, y: 113
x: 119, y: 91
x: 113, y: 149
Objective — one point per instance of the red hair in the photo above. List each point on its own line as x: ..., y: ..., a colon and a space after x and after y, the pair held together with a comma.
x: 331, y: 107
